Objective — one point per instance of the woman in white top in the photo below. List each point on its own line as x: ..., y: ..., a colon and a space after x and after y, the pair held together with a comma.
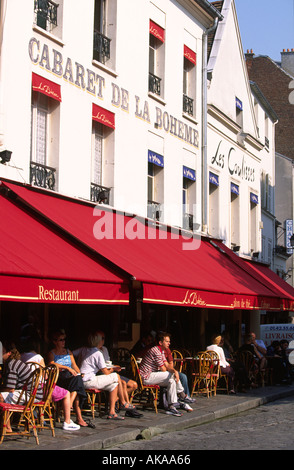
x: 225, y: 367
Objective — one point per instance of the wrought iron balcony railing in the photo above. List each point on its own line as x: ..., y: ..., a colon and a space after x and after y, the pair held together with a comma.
x: 153, y: 210
x: 188, y: 105
x: 101, y: 47
x: 154, y: 84
x: 188, y: 221
x: 42, y: 176
x: 100, y: 194
x: 46, y: 13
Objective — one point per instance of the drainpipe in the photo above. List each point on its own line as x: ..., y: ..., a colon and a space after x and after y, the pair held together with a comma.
x: 3, y: 6
x: 204, y: 125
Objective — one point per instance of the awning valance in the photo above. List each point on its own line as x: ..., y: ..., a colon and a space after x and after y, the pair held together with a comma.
x: 45, y: 86
x: 105, y: 117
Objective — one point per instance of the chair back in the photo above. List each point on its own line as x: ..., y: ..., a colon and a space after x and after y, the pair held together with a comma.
x: 51, y: 373
x: 178, y: 364
x: 214, y: 366
x: 136, y: 373
x: 203, y: 363
x: 247, y: 359
x: 30, y: 388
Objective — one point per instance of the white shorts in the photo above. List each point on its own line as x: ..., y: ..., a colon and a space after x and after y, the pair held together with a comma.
x: 12, y: 397
x: 103, y: 382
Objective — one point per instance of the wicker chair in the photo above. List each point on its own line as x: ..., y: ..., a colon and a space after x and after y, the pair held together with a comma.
x: 25, y: 411
x: 178, y: 360
x: 145, y: 395
x: 43, y: 408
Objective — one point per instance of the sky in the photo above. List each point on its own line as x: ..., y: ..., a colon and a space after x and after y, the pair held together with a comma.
x: 266, y: 26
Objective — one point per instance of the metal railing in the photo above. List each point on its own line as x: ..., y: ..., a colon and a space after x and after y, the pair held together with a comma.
x: 46, y: 13
x: 101, y: 47
x: 153, y: 210
x: 188, y: 104
x: 42, y: 176
x: 99, y: 194
x: 154, y: 84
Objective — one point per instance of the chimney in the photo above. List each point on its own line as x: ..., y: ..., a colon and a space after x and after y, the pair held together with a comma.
x: 287, y: 61
x: 249, y: 59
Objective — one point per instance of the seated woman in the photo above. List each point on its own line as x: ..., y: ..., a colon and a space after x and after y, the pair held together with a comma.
x: 92, y: 362
x: 69, y: 374
x: 59, y: 394
x: 225, y: 367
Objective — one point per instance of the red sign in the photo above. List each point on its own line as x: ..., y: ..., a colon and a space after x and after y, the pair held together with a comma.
x: 103, y: 116
x: 156, y: 31
x: 48, y: 88
x: 189, y: 54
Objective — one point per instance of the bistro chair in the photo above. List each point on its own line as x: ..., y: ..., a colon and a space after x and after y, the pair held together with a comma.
x: 93, y: 401
x: 145, y: 395
x: 205, y: 374
x: 217, y: 375
x: 248, y: 360
x: 25, y: 411
x: 49, y: 377
x: 122, y: 357
x: 178, y: 360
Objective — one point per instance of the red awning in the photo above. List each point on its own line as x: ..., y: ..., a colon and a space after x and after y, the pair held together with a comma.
x: 45, y: 86
x: 38, y: 265
x: 174, y: 270
x: 189, y: 54
x: 265, y: 276
x: 105, y: 117
x: 156, y: 31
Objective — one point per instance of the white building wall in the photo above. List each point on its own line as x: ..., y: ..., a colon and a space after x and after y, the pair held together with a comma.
x: 124, y: 92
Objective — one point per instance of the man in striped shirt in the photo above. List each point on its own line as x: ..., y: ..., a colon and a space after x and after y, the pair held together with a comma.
x: 155, y: 370
x: 15, y: 375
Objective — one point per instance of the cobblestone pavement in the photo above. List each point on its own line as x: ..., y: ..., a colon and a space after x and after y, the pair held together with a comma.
x: 268, y: 427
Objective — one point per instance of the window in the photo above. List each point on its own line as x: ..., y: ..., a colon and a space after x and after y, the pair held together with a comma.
x: 235, y: 216
x: 47, y: 15
x: 189, y: 81
x: 266, y: 192
x: 239, y: 112
x: 102, y: 163
x: 189, y: 198
x: 44, y: 141
x: 213, y: 204
x: 104, y: 41
x: 253, y: 222
x: 156, y: 59
x: 155, y: 185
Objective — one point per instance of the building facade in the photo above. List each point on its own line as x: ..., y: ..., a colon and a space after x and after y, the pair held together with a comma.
x: 275, y: 80
x: 111, y: 108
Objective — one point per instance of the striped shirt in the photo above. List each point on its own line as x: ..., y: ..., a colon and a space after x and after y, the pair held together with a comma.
x: 153, y: 360
x: 16, y: 375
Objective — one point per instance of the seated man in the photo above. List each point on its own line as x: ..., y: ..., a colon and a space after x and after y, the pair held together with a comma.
x: 155, y: 370
x: 15, y: 375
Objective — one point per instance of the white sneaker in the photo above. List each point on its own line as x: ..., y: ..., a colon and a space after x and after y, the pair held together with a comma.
x: 71, y: 426
x: 185, y: 406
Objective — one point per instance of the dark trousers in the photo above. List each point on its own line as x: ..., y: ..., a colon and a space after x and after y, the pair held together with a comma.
x: 229, y: 372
